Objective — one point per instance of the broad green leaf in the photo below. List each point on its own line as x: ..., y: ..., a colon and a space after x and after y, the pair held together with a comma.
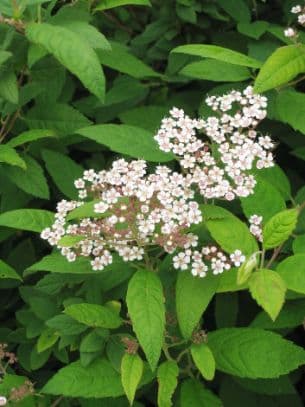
x: 289, y: 108
x: 266, y: 201
x: 7, y: 271
x: 131, y: 373
x: 85, y: 211
x: 65, y: 325
x: 4, y: 56
x: 217, y: 71
x: 254, y: 353
x: 70, y: 240
x: 31, y: 180
x: 9, y: 87
x: 9, y: 156
x: 133, y: 141
x: 46, y: 340
x: 268, y: 289
x: 37, y: 360
x: 193, y: 295
x: 298, y: 244
x: 145, y: 302
x: 291, y: 316
x: 167, y: 375
x: 204, y: 360
x: 94, y: 315
x: 277, y: 177
x: 64, y: 171
x: 107, y: 4
x: 93, y: 342
x: 30, y: 135
x: 33, y: 220
x: 146, y: 117
x: 219, y: 53
x: 228, y: 282
x: 120, y: 59
x: 281, y: 67
x: 292, y: 271
x: 194, y: 394
x: 237, y: 9
x: 61, y: 118
x: 253, y: 30
x: 97, y: 380
x: 72, y: 52
x: 278, y: 229
x: 228, y: 231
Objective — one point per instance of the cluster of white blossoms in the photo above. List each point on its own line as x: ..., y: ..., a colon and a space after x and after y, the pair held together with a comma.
x: 126, y: 210
x: 256, y: 227
x: 220, y: 164
x: 292, y: 32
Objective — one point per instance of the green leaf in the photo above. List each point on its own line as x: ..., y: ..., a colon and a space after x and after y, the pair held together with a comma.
x: 298, y: 245
x: 4, y: 56
x: 85, y: 211
x: 193, y: 394
x: 64, y: 171
x: 107, y: 4
x: 145, y: 302
x: 193, y: 295
x: 281, y: 67
x: 277, y: 177
x: 278, y: 229
x: 245, y: 270
x: 70, y: 240
x: 204, y: 360
x: 268, y: 289
x: 9, y: 87
x: 97, y: 380
x: 72, y: 52
x: 30, y: 135
x: 30, y: 180
x: 266, y: 201
x: 61, y: 118
x: 253, y: 30
x: 167, y: 375
x: 33, y: 220
x: 146, y: 117
x: 237, y: 9
x: 7, y: 271
x: 9, y: 156
x: 291, y: 316
x: 219, y: 53
x: 133, y: 141
x: 131, y: 371
x: 217, y: 71
x: 227, y: 230
x: 254, y: 353
x: 46, y: 340
x: 289, y: 108
x: 120, y: 59
x: 292, y: 271
x: 65, y: 325
x: 93, y: 342
x: 94, y: 315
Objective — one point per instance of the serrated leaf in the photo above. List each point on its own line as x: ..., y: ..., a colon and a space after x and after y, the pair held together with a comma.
x: 194, y: 394
x: 278, y: 229
x: 107, y: 4
x: 31, y: 180
x: 30, y: 135
x: 193, y: 295
x: 97, y: 380
x: 46, y: 340
x: 289, y: 108
x: 33, y: 220
x: 254, y: 353
x: 281, y: 67
x: 204, y: 360
x: 9, y: 156
x: 64, y: 171
x: 227, y: 230
x: 94, y: 315
x: 131, y: 373
x: 237, y: 9
x: 93, y: 342
x: 61, y: 118
x: 65, y: 325
x: 71, y: 51
x: 167, y: 375
x: 9, y: 87
x: 219, y: 53
x: 217, y: 71
x: 7, y: 271
x: 268, y: 289
x: 145, y: 302
x: 292, y: 271
x: 130, y: 140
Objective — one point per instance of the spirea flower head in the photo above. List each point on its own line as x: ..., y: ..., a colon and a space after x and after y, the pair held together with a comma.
x: 218, y: 153
x: 300, y: 11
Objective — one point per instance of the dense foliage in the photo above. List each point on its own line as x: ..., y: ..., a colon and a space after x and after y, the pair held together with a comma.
x: 177, y: 275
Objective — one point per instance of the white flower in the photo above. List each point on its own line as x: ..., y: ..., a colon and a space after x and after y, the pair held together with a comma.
x: 296, y: 9
x: 237, y: 258
x: 181, y: 261
x: 301, y: 19
x: 3, y: 401
x: 101, y: 207
x: 289, y: 32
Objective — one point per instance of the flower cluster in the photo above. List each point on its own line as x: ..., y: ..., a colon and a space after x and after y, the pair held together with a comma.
x: 292, y: 32
x: 126, y: 211
x: 220, y: 165
x: 256, y: 227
